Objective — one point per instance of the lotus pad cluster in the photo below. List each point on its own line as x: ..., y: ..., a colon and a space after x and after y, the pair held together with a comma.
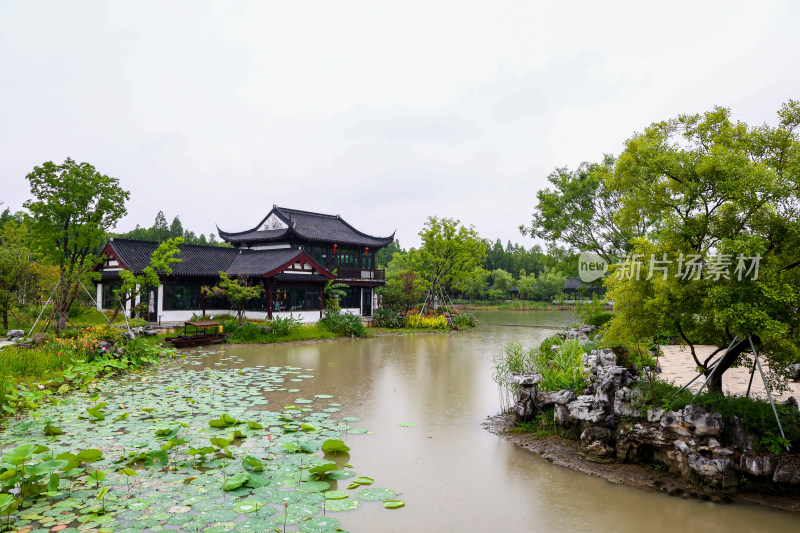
x: 187, y: 449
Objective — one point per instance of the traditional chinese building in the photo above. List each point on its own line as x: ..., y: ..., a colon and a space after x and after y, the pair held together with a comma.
x: 290, y: 253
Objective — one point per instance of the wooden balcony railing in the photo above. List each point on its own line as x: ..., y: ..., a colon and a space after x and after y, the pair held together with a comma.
x: 358, y: 273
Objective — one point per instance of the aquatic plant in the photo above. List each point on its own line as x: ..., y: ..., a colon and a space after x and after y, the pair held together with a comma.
x: 190, y: 474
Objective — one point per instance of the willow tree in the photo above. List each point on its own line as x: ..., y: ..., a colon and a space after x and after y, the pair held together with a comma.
x: 723, y: 265
x: 72, y: 209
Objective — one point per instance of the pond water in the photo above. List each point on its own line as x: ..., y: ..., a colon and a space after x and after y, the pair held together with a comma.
x: 413, y: 406
x: 454, y: 475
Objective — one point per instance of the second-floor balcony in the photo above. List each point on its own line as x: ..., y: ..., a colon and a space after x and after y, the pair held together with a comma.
x: 377, y: 274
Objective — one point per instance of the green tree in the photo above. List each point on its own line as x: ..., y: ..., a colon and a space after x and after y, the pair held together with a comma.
x: 502, y: 281
x: 137, y: 285
x: 475, y: 285
x: 385, y: 255
x: 15, y: 268
x: 526, y: 285
x: 237, y: 291
x: 404, y: 288
x: 402, y: 291
x: 176, y: 228
x: 449, y: 253
x: 577, y: 214
x: 72, y: 209
x: 160, y: 229
x: 549, y: 285
x: 726, y: 197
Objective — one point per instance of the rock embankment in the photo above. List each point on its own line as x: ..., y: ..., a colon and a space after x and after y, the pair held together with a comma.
x: 611, y: 426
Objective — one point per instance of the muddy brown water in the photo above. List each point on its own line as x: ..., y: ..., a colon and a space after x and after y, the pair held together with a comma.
x: 453, y: 475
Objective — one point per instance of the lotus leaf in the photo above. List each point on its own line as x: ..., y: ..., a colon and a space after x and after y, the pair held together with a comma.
x: 97, y: 476
x: 157, y: 458
x: 248, y: 506
x: 321, y: 469
x: 235, y: 481
x: 20, y: 455
x: 320, y: 524
x: 334, y: 446
x: 374, y: 494
x: 341, y: 474
x: 345, y: 504
x: 89, y: 456
x: 168, y: 433
x: 393, y: 504
x: 221, y: 443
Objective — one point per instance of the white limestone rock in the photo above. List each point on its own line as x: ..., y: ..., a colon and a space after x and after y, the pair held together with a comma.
x: 586, y: 410
x: 758, y: 464
x: 563, y: 397
x: 531, y: 378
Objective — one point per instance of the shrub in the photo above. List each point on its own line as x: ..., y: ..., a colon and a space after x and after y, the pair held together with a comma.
x: 344, y: 324
x: 69, y: 334
x: 280, y: 326
x: 630, y: 357
x: 414, y: 320
x: 245, y: 332
x: 756, y: 414
x: 600, y: 319
x: 543, y: 425
x: 388, y: 318
x: 103, y: 332
x: 560, y: 362
x: 464, y: 320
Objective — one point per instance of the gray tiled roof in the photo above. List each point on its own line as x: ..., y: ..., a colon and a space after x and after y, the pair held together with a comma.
x: 258, y: 263
x: 205, y: 260
x: 317, y: 227
x: 196, y: 260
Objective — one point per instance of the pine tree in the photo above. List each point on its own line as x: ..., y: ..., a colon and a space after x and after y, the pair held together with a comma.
x: 160, y: 229
x: 176, y: 228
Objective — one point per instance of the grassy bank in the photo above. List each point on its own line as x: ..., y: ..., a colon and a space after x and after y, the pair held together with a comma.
x: 30, y: 377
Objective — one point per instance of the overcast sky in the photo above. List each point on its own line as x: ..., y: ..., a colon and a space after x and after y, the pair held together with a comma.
x: 382, y: 112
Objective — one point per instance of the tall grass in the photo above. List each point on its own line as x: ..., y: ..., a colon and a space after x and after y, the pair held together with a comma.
x: 512, y: 358
x: 31, y: 364
x: 561, y: 365
x: 559, y: 362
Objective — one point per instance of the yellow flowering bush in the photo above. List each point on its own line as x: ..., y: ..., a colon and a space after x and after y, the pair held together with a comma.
x: 415, y: 320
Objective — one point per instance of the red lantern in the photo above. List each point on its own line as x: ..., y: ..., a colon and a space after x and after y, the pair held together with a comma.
x: 334, y: 250
x: 366, y: 249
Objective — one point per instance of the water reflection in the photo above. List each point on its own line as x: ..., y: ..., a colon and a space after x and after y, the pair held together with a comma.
x: 453, y: 475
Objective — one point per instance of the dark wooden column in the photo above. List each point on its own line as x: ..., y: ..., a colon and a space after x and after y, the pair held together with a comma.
x: 270, y: 283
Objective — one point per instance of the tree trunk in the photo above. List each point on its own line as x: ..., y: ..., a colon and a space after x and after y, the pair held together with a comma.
x: 727, y: 360
x: 61, y: 323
